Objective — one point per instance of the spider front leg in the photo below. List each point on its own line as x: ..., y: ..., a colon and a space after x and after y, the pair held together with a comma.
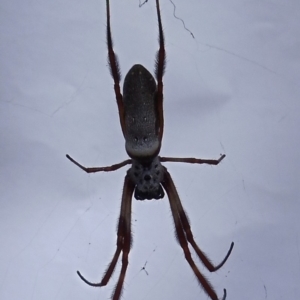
x: 189, y: 235
x: 123, y: 241
x: 184, y: 235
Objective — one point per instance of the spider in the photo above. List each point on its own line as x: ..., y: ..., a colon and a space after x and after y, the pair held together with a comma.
x: 142, y: 122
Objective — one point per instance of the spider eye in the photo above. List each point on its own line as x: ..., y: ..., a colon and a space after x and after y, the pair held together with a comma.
x: 149, y: 195
x: 147, y: 177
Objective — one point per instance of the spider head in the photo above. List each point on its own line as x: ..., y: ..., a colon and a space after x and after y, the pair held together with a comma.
x: 147, y: 177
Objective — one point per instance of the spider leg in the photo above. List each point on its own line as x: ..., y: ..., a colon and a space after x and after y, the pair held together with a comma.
x: 123, y: 241
x: 100, y: 169
x: 114, y: 70
x: 184, y: 220
x: 124, y: 227
x: 183, y: 237
x: 192, y: 160
x: 189, y: 235
x: 160, y: 65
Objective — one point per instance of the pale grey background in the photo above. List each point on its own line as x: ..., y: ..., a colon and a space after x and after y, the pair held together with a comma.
x: 234, y: 89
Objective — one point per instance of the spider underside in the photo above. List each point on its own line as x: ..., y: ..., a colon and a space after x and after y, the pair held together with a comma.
x: 142, y: 122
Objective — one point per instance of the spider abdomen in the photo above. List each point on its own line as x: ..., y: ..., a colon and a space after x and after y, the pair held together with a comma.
x: 140, y: 114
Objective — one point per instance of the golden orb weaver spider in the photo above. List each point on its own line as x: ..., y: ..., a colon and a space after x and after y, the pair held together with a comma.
x: 142, y: 122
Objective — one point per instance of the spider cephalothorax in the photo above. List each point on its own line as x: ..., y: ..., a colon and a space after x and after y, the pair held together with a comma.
x: 147, y: 178
x: 142, y: 123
